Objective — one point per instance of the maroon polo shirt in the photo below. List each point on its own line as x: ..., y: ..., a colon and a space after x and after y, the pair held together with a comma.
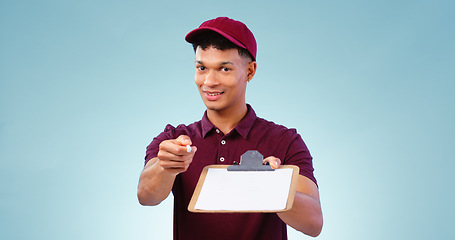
x: 252, y: 133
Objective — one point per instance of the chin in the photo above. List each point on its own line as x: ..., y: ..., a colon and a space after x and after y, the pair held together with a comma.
x: 213, y: 106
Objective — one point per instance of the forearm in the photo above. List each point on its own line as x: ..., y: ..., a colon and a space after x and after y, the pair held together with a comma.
x: 155, y: 184
x: 305, y: 215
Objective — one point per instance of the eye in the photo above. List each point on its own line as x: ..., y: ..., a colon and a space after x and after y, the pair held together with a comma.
x: 200, y: 68
x: 225, y: 69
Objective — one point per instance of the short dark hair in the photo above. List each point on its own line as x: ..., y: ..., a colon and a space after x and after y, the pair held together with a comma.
x: 216, y: 40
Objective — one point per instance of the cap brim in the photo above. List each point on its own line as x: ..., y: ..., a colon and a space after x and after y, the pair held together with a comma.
x: 190, y: 37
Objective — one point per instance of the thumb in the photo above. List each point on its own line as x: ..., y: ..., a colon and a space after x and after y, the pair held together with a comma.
x: 184, y: 140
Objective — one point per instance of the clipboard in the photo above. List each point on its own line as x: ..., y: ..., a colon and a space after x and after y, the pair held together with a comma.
x: 245, y: 188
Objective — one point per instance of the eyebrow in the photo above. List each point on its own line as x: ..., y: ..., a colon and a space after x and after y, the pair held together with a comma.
x: 221, y: 64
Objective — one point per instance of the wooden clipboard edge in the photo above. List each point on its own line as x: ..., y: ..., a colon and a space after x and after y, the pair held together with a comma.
x: 197, y: 191
x: 293, y: 187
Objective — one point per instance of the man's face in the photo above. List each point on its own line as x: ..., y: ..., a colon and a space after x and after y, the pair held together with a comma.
x: 221, y: 77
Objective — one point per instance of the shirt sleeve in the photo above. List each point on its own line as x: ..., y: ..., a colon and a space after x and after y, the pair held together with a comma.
x: 299, y: 155
x: 153, y: 147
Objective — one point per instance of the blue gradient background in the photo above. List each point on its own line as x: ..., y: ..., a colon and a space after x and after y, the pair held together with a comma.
x: 86, y: 85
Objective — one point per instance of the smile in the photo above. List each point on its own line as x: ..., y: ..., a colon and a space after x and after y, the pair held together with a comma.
x: 213, y: 96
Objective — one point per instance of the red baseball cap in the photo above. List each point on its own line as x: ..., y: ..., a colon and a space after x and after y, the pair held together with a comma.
x: 235, y: 31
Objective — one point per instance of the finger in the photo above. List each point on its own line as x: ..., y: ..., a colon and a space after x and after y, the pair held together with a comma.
x: 175, y: 167
x: 174, y: 147
x: 183, y: 165
x: 184, y: 140
x: 273, y: 161
x: 168, y: 156
x: 174, y: 170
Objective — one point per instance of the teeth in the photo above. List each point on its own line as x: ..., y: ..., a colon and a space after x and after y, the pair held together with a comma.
x: 213, y: 94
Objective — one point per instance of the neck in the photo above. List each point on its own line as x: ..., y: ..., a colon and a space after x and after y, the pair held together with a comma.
x: 228, y: 119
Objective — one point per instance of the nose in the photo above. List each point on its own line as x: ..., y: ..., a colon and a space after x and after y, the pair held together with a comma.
x: 210, y: 79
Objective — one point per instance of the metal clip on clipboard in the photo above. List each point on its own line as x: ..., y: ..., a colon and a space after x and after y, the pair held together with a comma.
x: 251, y: 161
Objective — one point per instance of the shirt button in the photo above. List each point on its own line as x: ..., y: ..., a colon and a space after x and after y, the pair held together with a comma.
x: 223, y: 142
x: 222, y: 159
x: 217, y: 130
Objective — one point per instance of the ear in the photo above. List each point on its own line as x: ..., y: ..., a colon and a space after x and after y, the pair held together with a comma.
x: 251, y: 70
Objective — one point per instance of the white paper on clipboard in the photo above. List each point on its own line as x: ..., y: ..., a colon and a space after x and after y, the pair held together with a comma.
x: 245, y: 190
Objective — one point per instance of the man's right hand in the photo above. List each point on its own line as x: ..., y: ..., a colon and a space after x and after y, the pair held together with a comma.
x: 173, y: 156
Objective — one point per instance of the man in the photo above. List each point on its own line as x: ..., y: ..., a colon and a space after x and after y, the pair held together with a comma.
x: 225, y: 62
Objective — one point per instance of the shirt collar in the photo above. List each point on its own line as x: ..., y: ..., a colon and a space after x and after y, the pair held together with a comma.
x: 243, y: 128
x: 206, y: 125
x: 245, y: 125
